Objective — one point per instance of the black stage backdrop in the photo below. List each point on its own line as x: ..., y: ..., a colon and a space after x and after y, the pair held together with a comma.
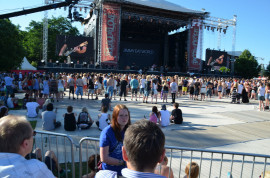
x: 140, y: 54
x: 73, y: 41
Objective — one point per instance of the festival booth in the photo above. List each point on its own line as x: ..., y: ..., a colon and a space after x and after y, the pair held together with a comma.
x: 145, y: 33
x: 26, y: 67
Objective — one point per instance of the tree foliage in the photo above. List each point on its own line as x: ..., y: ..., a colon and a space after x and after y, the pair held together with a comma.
x: 11, y: 49
x: 246, y: 65
x: 34, y: 37
x: 267, y: 71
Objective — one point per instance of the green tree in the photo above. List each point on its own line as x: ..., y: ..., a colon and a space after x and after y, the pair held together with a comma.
x: 34, y: 37
x: 267, y: 71
x: 11, y: 49
x: 246, y: 65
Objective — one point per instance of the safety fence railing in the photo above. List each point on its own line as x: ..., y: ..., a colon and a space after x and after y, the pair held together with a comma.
x: 212, y: 163
x: 60, y: 147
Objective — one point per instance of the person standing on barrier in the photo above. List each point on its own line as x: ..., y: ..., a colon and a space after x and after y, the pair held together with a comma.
x: 111, y: 140
x: 16, y: 141
x: 143, y: 148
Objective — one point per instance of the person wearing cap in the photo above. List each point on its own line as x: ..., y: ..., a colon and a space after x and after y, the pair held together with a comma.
x: 165, y: 116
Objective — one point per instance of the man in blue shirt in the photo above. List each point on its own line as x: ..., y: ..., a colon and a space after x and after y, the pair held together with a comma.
x: 141, y: 159
x: 134, y: 84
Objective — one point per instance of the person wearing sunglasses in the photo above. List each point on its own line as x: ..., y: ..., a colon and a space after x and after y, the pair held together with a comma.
x: 16, y: 141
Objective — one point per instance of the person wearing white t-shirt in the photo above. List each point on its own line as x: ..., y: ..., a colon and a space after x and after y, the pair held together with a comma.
x: 32, y: 109
x: 103, y: 118
x: 165, y: 116
x: 173, y: 87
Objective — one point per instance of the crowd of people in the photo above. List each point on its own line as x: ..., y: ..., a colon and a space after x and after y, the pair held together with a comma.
x: 129, y: 150
x: 142, y: 88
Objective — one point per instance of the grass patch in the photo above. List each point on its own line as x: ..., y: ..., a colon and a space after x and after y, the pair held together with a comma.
x: 77, y: 169
x: 33, y: 124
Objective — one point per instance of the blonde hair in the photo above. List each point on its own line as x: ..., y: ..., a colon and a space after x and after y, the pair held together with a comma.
x: 84, y: 109
x: 13, y: 131
x: 194, y: 172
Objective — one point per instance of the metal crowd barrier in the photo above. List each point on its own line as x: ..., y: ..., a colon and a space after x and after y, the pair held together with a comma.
x: 212, y: 163
x: 61, y: 144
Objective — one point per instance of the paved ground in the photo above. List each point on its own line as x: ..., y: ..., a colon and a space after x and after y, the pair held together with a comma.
x: 207, y: 124
x: 215, y: 125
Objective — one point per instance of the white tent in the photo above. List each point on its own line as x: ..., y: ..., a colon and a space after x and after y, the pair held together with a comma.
x: 26, y: 65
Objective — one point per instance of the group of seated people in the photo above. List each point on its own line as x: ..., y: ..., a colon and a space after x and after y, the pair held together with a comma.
x: 129, y: 158
x: 163, y: 117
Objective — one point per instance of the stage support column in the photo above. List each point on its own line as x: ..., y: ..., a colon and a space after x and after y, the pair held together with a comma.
x: 166, y: 50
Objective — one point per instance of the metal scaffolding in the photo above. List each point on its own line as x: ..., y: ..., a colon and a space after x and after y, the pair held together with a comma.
x: 221, y: 25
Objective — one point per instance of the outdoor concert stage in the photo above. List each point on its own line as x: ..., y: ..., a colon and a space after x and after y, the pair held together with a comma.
x: 138, y: 33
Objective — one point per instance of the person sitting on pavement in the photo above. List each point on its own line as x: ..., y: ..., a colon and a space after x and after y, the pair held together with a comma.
x: 154, y: 116
x: 16, y: 141
x: 84, y: 119
x: 176, y: 116
x: 106, y: 102
x: 70, y: 119
x: 26, y: 99
x: 49, y: 118
x: 165, y: 116
x: 32, y: 109
x: 141, y: 159
x: 12, y: 101
x: 103, y: 118
x: 44, y: 107
x: 40, y: 100
x: 163, y: 169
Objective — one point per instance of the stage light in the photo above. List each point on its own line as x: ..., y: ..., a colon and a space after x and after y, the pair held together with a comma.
x: 72, y: 64
x: 85, y: 64
x: 57, y: 63
x: 224, y: 31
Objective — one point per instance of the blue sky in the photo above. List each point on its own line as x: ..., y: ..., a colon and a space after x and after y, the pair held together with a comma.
x: 252, y: 32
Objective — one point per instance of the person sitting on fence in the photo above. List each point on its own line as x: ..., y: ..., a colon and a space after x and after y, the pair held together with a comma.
x: 111, y: 140
x: 49, y: 118
x: 92, y: 162
x: 141, y: 159
x: 163, y: 169
x: 103, y: 118
x: 106, y: 102
x: 84, y: 119
x: 16, y: 141
x: 193, y: 169
x: 70, y: 119
x: 32, y: 109
x: 176, y: 116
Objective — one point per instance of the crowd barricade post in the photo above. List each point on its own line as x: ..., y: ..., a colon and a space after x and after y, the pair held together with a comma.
x: 84, y: 152
x: 61, y: 144
x: 212, y: 163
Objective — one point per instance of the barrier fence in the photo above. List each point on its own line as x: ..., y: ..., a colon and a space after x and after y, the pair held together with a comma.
x: 63, y: 147
x: 212, y: 163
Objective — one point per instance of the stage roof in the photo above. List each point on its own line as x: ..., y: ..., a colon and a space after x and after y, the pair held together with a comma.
x: 162, y: 4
